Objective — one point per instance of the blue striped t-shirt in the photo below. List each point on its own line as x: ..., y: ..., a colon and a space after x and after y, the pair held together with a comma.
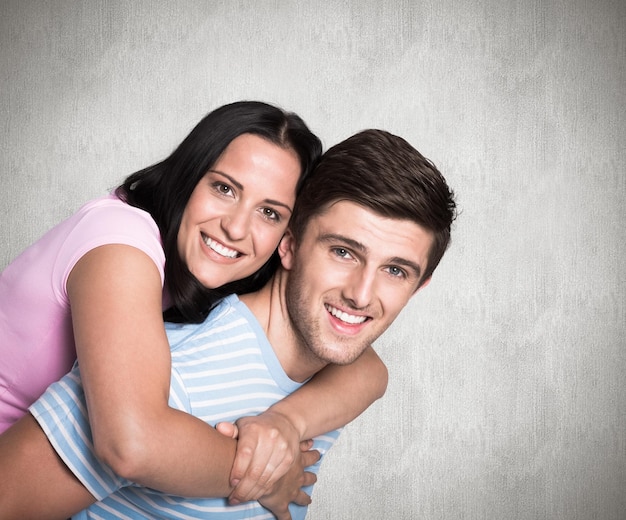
x: 222, y: 369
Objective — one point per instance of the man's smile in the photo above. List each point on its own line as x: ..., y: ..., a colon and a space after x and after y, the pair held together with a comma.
x: 350, y: 319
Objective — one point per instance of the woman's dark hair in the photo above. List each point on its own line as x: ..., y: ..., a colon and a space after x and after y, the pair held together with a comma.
x: 164, y: 189
x: 384, y: 173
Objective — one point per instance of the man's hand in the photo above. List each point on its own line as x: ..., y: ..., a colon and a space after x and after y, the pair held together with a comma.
x: 267, y: 447
x: 289, y: 488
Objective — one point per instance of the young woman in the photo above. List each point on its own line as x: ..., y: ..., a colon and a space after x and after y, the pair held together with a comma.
x: 171, y: 241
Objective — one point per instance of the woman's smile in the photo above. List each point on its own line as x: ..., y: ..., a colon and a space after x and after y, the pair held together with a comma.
x: 239, y: 211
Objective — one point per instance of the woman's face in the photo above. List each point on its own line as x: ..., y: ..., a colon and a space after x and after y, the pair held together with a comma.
x: 239, y: 211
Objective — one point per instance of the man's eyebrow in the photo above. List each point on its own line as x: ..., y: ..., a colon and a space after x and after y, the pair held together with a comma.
x: 403, y: 262
x: 358, y: 246
x: 240, y: 186
x: 335, y: 237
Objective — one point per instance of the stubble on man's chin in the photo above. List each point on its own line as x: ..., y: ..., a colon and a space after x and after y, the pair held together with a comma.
x: 307, y: 328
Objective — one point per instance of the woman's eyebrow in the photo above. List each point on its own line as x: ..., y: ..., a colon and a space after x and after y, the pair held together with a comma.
x: 237, y: 184
x: 240, y: 186
x: 279, y: 203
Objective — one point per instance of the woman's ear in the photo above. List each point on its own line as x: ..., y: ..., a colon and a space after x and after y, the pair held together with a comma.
x: 286, y: 249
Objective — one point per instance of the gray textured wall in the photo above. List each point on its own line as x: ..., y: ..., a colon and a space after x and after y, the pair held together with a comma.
x: 507, y: 397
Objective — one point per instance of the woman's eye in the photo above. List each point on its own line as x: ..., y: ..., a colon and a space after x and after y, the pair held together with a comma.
x: 223, y: 189
x: 271, y: 214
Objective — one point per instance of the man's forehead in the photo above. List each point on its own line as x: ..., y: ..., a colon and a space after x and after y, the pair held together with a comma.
x: 356, y: 212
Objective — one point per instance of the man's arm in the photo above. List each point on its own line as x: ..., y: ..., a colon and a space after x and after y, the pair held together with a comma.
x: 314, y: 409
x: 310, y: 411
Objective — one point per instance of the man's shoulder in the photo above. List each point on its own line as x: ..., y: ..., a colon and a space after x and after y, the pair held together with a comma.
x: 226, y: 316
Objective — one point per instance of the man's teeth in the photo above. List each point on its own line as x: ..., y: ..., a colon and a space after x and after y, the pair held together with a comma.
x: 344, y: 316
x: 220, y: 249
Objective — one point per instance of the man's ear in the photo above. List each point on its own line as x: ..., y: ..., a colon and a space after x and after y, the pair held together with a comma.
x: 423, y: 284
x: 286, y: 250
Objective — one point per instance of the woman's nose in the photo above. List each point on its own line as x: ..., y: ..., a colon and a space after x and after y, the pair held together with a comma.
x: 236, y: 225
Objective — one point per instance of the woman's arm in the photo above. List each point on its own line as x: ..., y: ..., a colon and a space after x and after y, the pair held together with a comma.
x: 312, y: 410
x: 115, y: 294
x: 125, y: 361
x: 34, y: 482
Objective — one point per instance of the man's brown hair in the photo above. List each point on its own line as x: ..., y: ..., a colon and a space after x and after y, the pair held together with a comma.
x: 385, y: 174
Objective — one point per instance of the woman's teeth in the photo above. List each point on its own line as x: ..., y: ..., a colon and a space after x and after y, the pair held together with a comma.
x: 220, y: 249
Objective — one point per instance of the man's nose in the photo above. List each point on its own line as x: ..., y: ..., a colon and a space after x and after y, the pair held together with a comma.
x: 360, y: 289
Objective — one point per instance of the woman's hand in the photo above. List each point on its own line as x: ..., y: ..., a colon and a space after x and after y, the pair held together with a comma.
x: 289, y: 488
x: 267, y: 448
x: 268, y: 443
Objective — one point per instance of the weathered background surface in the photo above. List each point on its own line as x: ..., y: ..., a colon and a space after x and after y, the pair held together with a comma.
x: 507, y: 397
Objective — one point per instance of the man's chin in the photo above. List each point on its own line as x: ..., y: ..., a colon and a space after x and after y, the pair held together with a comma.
x: 342, y: 358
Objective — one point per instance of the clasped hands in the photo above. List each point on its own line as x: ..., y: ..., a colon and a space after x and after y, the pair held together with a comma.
x: 269, y: 463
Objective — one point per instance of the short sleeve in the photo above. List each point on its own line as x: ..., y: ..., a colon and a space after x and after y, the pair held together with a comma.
x: 108, y: 221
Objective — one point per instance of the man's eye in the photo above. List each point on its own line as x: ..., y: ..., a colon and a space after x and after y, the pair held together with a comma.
x: 340, y: 251
x: 396, y: 272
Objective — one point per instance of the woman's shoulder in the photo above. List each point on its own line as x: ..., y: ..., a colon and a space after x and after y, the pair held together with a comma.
x: 110, y: 215
x: 104, y: 221
x: 111, y: 204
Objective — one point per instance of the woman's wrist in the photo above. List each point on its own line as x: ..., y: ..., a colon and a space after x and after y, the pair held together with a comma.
x: 285, y: 411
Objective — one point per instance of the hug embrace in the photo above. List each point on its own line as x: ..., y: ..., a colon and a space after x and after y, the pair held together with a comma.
x: 179, y: 346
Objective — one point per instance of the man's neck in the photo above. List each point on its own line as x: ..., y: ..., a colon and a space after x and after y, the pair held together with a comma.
x: 269, y: 307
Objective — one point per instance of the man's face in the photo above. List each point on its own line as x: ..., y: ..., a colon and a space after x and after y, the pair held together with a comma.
x: 349, y: 277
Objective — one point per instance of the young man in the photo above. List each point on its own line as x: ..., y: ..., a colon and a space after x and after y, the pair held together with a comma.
x: 367, y: 232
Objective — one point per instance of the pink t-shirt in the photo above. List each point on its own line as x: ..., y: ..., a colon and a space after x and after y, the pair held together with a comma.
x: 36, y: 337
